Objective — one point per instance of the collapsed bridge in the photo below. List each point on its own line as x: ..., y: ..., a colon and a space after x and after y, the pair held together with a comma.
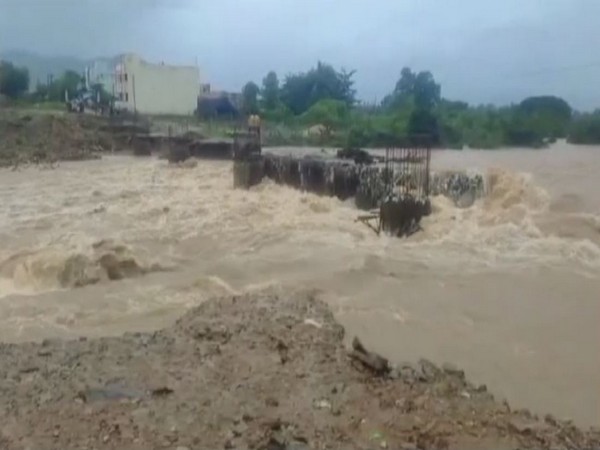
x: 394, y: 192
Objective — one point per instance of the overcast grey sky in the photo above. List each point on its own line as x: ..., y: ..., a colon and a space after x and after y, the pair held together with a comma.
x: 482, y: 51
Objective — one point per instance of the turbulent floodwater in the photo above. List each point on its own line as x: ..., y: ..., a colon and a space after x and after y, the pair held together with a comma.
x: 508, y: 289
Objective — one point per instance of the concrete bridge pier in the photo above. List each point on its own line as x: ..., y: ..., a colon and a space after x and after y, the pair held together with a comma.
x: 248, y: 172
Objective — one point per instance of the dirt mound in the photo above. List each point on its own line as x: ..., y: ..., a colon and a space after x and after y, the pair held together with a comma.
x: 258, y: 371
x: 46, y: 138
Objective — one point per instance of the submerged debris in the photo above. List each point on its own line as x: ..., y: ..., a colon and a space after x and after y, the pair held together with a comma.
x: 374, y: 362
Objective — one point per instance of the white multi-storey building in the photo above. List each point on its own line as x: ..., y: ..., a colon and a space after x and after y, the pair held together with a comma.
x: 150, y: 88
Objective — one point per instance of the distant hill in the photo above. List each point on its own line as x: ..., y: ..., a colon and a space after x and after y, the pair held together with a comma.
x: 40, y: 66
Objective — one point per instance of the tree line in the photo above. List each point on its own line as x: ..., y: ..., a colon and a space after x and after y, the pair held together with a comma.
x: 325, y: 97
x: 15, y: 83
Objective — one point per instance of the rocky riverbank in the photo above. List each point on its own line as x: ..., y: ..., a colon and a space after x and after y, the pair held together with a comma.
x: 261, y: 371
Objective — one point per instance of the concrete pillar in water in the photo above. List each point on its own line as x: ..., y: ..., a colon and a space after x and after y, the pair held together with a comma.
x: 401, y: 216
x: 248, y: 162
x: 247, y: 172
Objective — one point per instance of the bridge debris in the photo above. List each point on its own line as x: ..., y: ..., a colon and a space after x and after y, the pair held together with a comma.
x: 248, y: 164
x: 395, y: 190
x: 398, y: 189
x: 462, y: 187
x: 376, y: 363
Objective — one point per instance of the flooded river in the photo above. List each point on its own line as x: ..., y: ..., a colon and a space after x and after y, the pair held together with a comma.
x: 508, y: 289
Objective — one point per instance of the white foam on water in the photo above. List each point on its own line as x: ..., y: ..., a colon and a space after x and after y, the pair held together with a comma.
x: 518, y: 269
x: 151, y: 208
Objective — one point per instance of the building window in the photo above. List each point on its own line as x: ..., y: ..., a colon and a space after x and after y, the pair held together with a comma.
x: 125, y: 78
x: 126, y: 96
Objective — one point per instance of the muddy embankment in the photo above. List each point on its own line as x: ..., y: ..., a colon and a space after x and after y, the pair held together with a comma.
x: 45, y: 139
x: 48, y: 138
x: 263, y: 371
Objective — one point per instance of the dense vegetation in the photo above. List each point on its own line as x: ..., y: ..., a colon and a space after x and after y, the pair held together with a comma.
x: 68, y: 82
x: 14, y: 84
x: 323, y: 101
x: 320, y: 106
x: 14, y: 81
x: 585, y: 129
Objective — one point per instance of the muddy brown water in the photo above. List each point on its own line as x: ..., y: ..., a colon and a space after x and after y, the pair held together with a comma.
x: 508, y: 289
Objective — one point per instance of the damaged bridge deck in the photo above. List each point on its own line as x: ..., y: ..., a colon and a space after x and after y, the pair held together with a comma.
x: 397, y: 189
x: 394, y: 189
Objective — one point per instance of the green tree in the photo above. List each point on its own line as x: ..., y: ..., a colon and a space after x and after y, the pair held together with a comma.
x: 426, y: 92
x: 423, y: 125
x: 548, y: 116
x: 279, y: 114
x: 414, y: 90
x: 41, y: 92
x: 70, y: 82
x: 270, y: 91
x: 413, y: 104
x: 14, y: 81
x: 585, y: 129
x: 100, y: 93
x: 521, y: 131
x: 415, y: 107
x: 329, y: 113
x: 375, y: 130
x: 345, y: 89
x: 453, y: 106
x: 301, y: 91
x: 405, y: 86
x: 295, y: 93
x: 250, y: 98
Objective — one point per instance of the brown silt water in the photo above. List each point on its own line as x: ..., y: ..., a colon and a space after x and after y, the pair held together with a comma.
x: 508, y: 289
